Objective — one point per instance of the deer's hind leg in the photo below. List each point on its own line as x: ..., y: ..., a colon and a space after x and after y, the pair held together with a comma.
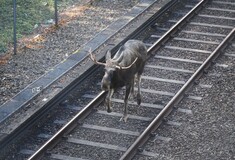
x: 138, y: 93
x: 138, y: 77
x: 132, y: 88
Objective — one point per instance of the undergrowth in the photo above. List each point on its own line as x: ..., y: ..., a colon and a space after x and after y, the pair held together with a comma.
x: 30, y: 14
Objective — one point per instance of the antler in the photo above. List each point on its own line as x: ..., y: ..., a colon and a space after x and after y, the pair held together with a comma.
x: 93, y: 58
x: 119, y: 67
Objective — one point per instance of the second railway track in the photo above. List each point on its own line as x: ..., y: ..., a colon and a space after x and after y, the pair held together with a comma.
x: 182, y: 45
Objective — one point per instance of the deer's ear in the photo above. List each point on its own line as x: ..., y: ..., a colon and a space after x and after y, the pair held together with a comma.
x: 108, y: 55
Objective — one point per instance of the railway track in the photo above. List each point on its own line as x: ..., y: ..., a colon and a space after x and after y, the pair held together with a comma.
x: 182, y: 44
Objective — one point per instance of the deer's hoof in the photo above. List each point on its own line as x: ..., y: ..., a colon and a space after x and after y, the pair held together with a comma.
x: 124, y: 118
x: 109, y: 110
x: 138, y: 99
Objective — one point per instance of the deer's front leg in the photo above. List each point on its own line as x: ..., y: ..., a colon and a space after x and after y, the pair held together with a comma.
x: 108, y: 100
x: 128, y: 89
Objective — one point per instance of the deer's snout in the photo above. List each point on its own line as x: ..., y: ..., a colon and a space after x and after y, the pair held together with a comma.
x: 105, y: 83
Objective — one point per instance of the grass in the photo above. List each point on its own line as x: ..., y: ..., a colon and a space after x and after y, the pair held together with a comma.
x: 30, y: 13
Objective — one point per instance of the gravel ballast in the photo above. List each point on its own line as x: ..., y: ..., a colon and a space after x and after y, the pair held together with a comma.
x: 207, y: 133
x: 29, y: 64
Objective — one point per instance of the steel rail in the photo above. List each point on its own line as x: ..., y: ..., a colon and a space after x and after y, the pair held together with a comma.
x: 136, y: 146
x: 133, y: 149
x: 176, y: 99
x: 57, y: 99
x: 174, y: 29
x: 146, y: 24
x: 68, y: 127
x: 149, y: 131
x: 99, y: 98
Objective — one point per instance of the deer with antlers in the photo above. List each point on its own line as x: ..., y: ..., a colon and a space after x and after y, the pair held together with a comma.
x: 121, y: 70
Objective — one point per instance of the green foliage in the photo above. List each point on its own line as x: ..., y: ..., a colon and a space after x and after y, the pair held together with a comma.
x: 29, y: 13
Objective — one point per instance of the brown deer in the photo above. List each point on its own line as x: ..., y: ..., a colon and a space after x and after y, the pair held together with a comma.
x: 121, y: 70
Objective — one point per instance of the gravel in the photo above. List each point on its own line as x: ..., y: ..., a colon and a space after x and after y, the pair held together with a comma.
x: 208, y: 133
x: 29, y: 64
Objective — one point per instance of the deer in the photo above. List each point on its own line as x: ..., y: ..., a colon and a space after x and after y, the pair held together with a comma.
x: 121, y: 70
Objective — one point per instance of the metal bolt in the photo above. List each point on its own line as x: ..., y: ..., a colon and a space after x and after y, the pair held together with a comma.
x: 196, y: 82
x: 65, y: 138
x: 48, y: 153
x: 205, y: 71
x: 174, y: 107
x: 94, y: 109
x: 186, y: 94
x: 153, y: 134
x: 80, y: 122
x: 165, y: 119
x: 140, y: 149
